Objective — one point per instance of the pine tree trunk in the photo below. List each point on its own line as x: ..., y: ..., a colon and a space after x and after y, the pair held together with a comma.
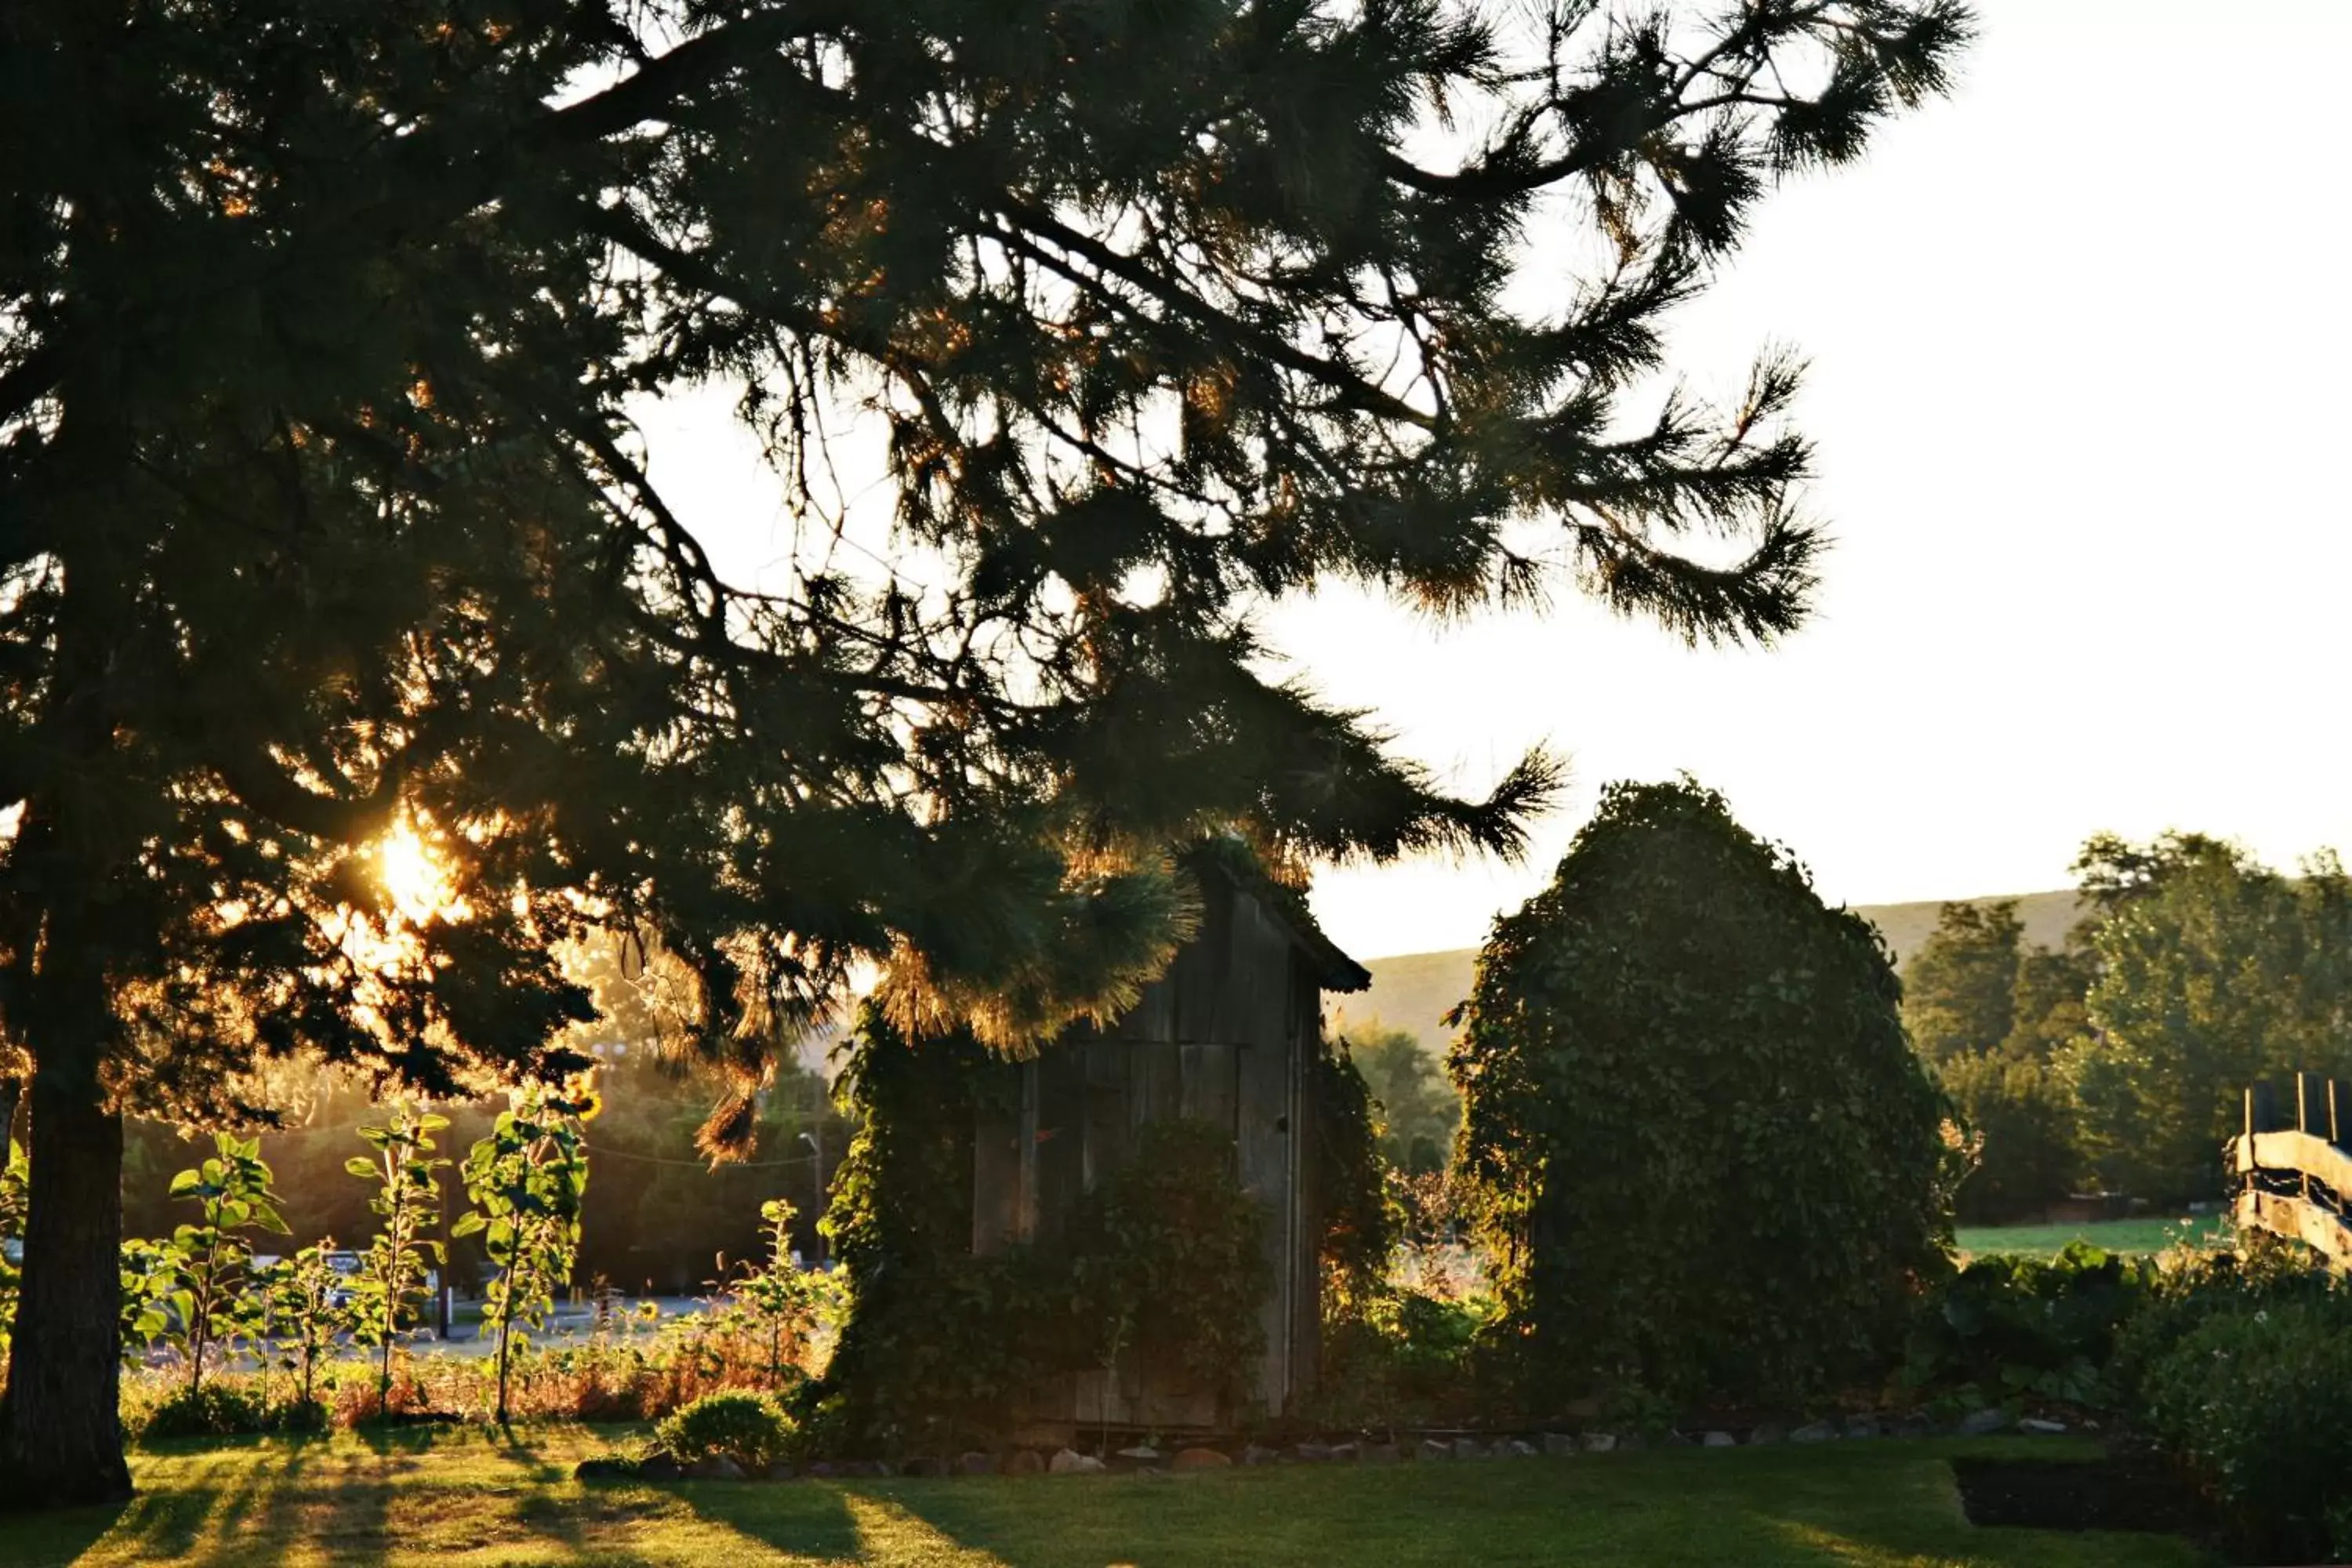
x: 64, y: 1442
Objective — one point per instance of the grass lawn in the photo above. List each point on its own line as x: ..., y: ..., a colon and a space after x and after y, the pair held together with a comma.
x: 2151, y: 1235
x: 469, y: 1498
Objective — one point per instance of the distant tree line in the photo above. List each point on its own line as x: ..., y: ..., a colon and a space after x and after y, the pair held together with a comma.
x: 2116, y: 1062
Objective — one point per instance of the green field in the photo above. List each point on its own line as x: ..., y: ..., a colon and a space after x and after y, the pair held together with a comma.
x: 468, y: 1497
x: 2113, y: 1234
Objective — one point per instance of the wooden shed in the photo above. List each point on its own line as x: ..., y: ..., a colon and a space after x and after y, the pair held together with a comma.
x: 1227, y: 1035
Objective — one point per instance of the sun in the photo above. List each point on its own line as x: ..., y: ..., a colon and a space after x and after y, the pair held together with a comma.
x: 417, y: 882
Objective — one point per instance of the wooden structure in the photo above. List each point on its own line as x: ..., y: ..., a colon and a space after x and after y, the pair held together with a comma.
x: 1226, y: 1036
x: 2295, y: 1177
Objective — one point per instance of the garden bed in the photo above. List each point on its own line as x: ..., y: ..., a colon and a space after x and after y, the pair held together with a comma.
x: 2129, y: 1490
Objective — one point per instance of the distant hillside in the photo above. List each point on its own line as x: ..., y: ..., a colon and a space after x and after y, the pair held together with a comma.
x: 2048, y: 918
x: 1415, y: 990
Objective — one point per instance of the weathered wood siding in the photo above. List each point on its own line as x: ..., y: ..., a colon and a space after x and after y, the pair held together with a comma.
x: 1224, y: 1037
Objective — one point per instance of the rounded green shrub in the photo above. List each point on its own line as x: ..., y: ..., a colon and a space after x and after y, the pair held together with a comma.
x: 2254, y: 1401
x: 212, y: 1410
x: 735, y: 1424
x: 1694, y: 1135
x: 2190, y: 1287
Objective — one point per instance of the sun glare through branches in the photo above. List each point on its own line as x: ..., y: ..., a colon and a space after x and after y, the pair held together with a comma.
x: 419, y: 883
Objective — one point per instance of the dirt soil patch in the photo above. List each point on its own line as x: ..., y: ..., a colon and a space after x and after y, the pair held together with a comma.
x: 2123, y: 1491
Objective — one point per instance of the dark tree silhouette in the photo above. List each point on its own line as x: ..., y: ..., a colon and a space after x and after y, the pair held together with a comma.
x: 322, y: 517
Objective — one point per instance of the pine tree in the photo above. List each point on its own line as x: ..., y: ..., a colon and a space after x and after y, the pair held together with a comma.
x: 324, y: 529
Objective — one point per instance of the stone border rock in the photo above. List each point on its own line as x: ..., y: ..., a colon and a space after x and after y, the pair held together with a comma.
x: 1454, y: 1447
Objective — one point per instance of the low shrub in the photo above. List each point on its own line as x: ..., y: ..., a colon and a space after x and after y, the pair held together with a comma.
x: 2190, y: 1286
x: 750, y: 1429
x: 2007, y: 1329
x: 2252, y: 1399
x: 635, y: 1367
x: 216, y: 1409
x: 1407, y: 1358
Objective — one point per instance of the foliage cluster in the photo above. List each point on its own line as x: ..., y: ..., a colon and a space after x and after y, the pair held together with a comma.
x: 1391, y: 1355
x: 1163, y: 1268
x: 2214, y: 972
x: 1411, y: 1358
x: 199, y: 1295
x: 2232, y: 1360
x: 13, y: 1173
x: 775, y: 1301
x: 632, y: 1369
x: 210, y: 1294
x: 198, y: 1291
x: 1353, y: 1185
x: 302, y: 1313
x: 747, y: 1428
x: 365, y: 301
x: 2192, y: 1284
x: 2119, y: 1058
x: 658, y: 1216
x: 1694, y: 1138
x: 2020, y: 1121
x: 526, y: 1180
x: 2006, y: 1330
x: 1418, y: 1111
x: 2252, y: 1399
x: 1989, y: 1015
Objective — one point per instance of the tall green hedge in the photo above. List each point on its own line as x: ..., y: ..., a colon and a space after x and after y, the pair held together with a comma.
x: 1693, y: 1133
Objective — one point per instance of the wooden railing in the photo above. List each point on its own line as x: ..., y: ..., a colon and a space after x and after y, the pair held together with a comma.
x: 2294, y: 1174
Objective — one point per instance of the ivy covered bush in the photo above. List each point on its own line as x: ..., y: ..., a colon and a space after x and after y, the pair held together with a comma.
x: 1354, y: 1187
x: 934, y: 1342
x: 1694, y: 1137
x: 1164, y: 1267
x: 1171, y: 1264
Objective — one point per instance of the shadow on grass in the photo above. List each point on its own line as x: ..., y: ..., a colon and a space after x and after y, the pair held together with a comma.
x: 56, y: 1539
x: 209, y: 1508
x: 1876, y: 1507
x: 530, y: 1454
x: 700, y: 1521
x: 450, y: 1494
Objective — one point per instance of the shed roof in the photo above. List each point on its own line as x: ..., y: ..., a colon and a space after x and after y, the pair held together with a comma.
x: 1229, y: 858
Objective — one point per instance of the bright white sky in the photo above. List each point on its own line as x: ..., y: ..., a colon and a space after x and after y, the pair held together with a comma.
x: 2079, y: 339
